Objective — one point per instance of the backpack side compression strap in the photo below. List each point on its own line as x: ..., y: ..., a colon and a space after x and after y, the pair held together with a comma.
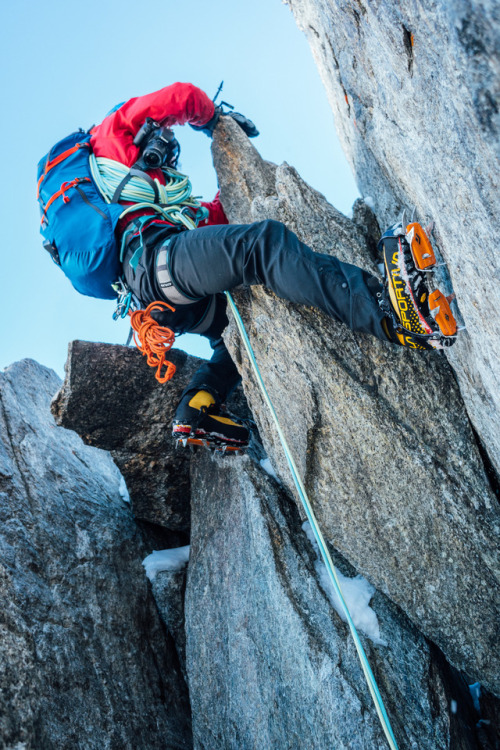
x: 51, y: 164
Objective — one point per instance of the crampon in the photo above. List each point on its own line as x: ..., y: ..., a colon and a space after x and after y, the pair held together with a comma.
x: 420, y: 313
x: 201, y: 439
x: 199, y: 422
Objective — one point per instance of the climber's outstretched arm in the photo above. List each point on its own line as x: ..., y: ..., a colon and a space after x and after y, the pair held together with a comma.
x: 176, y: 104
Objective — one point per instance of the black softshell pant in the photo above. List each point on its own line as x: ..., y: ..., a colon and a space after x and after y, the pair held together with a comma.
x: 214, y: 259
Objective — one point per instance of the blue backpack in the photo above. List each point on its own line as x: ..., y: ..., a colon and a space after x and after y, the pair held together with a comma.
x: 77, y: 224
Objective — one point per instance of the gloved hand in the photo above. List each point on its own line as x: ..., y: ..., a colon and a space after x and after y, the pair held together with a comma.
x: 209, y: 127
x: 245, y: 124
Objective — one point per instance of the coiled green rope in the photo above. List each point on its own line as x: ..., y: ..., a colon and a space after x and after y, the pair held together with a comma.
x: 370, y: 679
x: 176, y: 204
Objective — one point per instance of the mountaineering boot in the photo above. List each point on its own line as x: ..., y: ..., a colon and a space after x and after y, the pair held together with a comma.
x: 200, y: 421
x: 416, y: 317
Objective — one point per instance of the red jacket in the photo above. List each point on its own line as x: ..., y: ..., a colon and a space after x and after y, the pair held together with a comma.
x: 177, y: 104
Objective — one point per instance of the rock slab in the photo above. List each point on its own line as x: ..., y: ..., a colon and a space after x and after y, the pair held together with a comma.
x: 85, y: 662
x: 270, y: 664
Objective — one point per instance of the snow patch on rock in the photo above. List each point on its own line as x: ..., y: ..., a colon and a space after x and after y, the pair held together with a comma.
x: 165, y: 559
x: 123, y: 490
x: 357, y: 593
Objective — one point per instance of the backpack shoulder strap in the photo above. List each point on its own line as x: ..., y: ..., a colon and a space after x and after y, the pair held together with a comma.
x: 135, y: 171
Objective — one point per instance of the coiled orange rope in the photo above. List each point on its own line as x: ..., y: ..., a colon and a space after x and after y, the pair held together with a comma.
x: 153, y: 340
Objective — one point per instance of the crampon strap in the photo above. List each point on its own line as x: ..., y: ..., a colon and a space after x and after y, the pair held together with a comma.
x: 154, y: 340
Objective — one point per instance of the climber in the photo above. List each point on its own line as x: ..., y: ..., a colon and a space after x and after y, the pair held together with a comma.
x: 189, y: 256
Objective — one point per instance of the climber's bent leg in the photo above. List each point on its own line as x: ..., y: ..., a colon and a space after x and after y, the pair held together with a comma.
x: 218, y: 258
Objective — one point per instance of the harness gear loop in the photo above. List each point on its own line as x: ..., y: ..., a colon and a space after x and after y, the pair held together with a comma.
x: 153, y: 339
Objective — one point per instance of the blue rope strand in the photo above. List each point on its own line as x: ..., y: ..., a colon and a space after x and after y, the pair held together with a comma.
x: 370, y: 679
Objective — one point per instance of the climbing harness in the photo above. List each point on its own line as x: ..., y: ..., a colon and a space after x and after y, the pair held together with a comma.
x: 370, y: 679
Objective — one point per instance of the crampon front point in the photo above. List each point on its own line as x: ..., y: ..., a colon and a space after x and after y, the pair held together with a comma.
x: 184, y: 436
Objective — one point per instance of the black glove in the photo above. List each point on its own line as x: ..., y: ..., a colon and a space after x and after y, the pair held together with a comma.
x: 245, y: 124
x: 209, y: 127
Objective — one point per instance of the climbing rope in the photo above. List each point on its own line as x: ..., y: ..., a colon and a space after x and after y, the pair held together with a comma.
x: 370, y: 679
x: 154, y: 340
x: 173, y: 200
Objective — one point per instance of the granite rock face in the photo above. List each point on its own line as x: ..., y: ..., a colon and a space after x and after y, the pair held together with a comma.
x: 246, y: 650
x: 380, y: 434
x: 414, y: 88
x: 85, y: 661
x: 130, y: 415
x: 269, y: 663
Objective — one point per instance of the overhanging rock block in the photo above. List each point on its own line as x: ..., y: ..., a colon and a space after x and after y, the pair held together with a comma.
x: 112, y: 399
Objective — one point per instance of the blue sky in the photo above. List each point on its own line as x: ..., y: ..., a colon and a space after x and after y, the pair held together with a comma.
x: 64, y: 66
